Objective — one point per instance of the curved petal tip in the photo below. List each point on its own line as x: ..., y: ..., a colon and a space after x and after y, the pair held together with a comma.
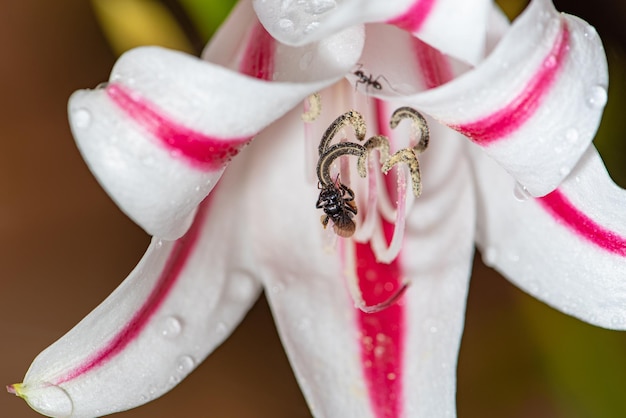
x: 47, y: 399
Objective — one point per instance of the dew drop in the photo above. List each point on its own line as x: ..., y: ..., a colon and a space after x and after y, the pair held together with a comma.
x: 243, y: 288
x: 597, y: 97
x: 159, y: 243
x: 316, y: 7
x: 490, y: 256
x: 550, y: 62
x: 311, y: 27
x: 571, y: 135
x: 514, y: 258
x: 520, y: 192
x: 185, y: 365
x: 617, y: 320
x: 286, y: 25
x: 171, y: 327
x: 590, y: 32
x: 564, y: 171
x: 82, y: 118
x: 221, y: 328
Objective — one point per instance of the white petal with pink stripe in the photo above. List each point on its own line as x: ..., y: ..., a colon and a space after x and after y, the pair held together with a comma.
x: 535, y: 103
x: 567, y: 248
x: 160, y: 134
x: 456, y: 27
x: 181, y: 301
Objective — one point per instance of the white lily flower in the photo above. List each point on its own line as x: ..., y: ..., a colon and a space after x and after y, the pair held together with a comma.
x: 160, y: 137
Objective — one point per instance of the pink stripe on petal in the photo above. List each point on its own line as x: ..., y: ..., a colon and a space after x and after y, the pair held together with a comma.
x: 564, y: 211
x: 433, y: 65
x: 258, y: 59
x: 171, y: 273
x: 201, y: 151
x: 511, y: 117
x: 382, y: 333
x: 415, y: 16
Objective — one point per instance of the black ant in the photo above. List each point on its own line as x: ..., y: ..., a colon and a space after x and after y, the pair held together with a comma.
x: 337, y: 201
x: 368, y: 80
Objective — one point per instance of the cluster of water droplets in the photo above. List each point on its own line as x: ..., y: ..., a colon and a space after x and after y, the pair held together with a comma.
x: 296, y: 17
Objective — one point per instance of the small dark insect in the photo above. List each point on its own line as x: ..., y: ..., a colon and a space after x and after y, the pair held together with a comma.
x: 337, y: 201
x: 368, y: 80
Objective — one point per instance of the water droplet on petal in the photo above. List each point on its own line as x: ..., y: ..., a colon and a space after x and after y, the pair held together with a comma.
x: 185, y: 365
x: 316, y: 7
x: 590, y: 32
x: 617, y: 320
x: 171, y: 327
x: 550, y: 62
x: 159, y: 243
x: 533, y: 287
x: 520, y: 192
x: 571, y: 135
x: 285, y: 25
x: 564, y: 171
x: 243, y: 287
x: 597, y: 97
x: 82, y: 118
x: 490, y: 256
x: 221, y: 328
x: 311, y: 27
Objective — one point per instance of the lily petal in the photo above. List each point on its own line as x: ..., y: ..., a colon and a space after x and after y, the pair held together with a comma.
x: 350, y: 363
x: 535, y: 104
x: 567, y: 248
x: 160, y: 134
x: 242, y: 43
x: 456, y: 27
x: 180, y: 302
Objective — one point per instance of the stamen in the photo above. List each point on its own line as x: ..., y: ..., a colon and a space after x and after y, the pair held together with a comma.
x: 312, y: 108
x: 385, y: 304
x: 384, y: 253
x: 331, y: 154
x: 408, y: 157
x: 419, y: 124
x: 368, y: 219
x: 355, y: 290
x: 353, y: 118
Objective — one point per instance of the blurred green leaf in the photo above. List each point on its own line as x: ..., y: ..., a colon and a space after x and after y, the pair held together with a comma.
x: 207, y: 15
x: 584, y: 365
x: 131, y: 23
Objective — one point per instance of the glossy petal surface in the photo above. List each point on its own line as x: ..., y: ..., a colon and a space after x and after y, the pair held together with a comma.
x: 456, y: 27
x: 180, y: 302
x: 567, y: 248
x: 535, y: 103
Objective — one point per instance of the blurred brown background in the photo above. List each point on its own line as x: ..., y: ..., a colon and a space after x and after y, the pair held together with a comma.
x: 64, y: 246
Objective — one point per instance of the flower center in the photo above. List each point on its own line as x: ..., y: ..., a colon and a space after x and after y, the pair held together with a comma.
x: 339, y: 202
